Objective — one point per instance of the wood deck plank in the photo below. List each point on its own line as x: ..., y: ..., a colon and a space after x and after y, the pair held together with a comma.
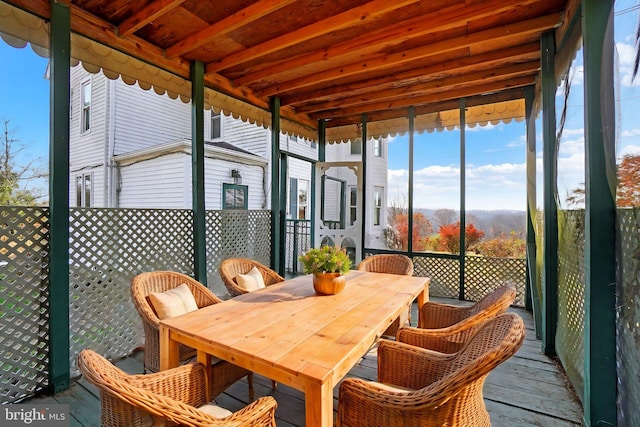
x: 527, y: 390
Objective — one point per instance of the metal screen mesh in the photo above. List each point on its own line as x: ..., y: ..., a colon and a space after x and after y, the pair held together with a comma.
x: 570, y: 334
x: 628, y: 317
x: 24, y: 302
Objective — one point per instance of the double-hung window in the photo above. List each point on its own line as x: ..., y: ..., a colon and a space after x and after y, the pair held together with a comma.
x: 85, y: 101
x: 84, y: 190
x: 377, y: 205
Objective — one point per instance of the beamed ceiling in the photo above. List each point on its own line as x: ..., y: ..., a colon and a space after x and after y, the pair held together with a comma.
x: 334, y: 60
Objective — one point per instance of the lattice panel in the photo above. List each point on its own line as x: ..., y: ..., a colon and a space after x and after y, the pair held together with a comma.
x: 444, y: 274
x: 108, y: 247
x: 570, y: 334
x: 628, y: 318
x: 236, y: 233
x: 24, y: 313
x: 484, y: 274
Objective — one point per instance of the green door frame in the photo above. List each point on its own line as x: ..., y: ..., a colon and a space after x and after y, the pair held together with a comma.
x: 197, y: 173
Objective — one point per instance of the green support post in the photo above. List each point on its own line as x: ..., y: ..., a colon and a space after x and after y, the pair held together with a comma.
x: 322, y: 156
x: 274, y: 104
x: 364, y: 183
x: 600, y: 380
x: 532, y: 296
x: 284, y: 165
x: 412, y: 116
x: 197, y: 172
x: 60, y: 54
x: 549, y: 160
x: 463, y: 197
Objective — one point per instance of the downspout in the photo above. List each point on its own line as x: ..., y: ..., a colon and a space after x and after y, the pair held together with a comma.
x: 109, y: 164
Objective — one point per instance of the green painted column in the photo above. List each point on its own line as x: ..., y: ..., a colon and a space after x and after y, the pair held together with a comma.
x: 600, y: 215
x: 549, y: 160
x: 412, y: 117
x: 276, y: 230
x: 364, y: 184
x: 284, y: 166
x: 322, y: 156
x: 197, y: 172
x: 463, y: 194
x: 60, y: 66
x: 532, y: 296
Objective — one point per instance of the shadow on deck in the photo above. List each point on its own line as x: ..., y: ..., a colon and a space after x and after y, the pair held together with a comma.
x: 530, y: 389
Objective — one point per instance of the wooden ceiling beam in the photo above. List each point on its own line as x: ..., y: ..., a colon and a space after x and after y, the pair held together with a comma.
x: 231, y: 23
x: 532, y: 26
x: 437, y: 85
x: 147, y: 14
x: 527, y: 52
x: 453, y: 104
x: 441, y: 20
x: 426, y: 98
x: 102, y: 32
x: 351, y: 17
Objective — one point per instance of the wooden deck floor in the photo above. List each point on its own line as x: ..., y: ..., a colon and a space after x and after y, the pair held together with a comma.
x: 527, y: 390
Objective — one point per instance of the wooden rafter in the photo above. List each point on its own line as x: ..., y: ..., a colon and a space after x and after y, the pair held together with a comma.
x: 146, y: 15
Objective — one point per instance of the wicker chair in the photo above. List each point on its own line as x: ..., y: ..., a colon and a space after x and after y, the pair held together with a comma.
x: 174, y: 395
x: 418, y: 387
x: 223, y: 373
x: 231, y: 267
x: 391, y: 264
x: 445, y: 328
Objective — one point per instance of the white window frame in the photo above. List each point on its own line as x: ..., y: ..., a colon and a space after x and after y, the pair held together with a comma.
x: 377, y: 205
x: 353, y: 204
x: 85, y: 106
x: 215, y: 116
x: 84, y: 190
x: 303, y: 184
x: 377, y: 147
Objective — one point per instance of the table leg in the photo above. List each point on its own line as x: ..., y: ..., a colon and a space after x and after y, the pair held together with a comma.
x: 318, y: 402
x: 169, y: 352
x: 205, y: 359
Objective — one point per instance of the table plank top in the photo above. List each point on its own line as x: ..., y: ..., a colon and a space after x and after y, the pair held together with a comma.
x: 289, y: 333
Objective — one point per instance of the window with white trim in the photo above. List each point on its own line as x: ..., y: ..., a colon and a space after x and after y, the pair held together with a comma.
x: 377, y: 205
x: 377, y: 148
x: 353, y: 204
x: 84, y: 190
x: 356, y: 146
x: 85, y: 107
x: 303, y: 198
x: 216, y: 125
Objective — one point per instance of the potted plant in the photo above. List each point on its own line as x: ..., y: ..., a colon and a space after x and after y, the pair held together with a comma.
x: 328, y: 264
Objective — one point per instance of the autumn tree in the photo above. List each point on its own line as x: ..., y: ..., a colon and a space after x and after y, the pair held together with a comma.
x: 450, y: 237
x: 445, y: 216
x: 629, y: 181
x: 14, y: 177
x: 421, y: 230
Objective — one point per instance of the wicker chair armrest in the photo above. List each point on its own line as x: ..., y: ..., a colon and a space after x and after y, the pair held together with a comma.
x: 409, y: 366
x: 444, y: 340
x: 433, y: 315
x: 186, y: 383
x: 261, y: 412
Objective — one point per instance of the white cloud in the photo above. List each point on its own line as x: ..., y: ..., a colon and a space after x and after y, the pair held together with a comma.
x: 629, y: 149
x: 627, y: 133
x: 626, y: 59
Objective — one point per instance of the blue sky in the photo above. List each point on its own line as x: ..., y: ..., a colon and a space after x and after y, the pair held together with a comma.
x: 495, y: 154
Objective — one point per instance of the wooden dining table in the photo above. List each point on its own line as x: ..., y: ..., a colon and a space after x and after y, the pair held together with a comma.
x: 290, y: 334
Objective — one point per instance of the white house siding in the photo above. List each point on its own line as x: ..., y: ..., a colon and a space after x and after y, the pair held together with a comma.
x: 86, y: 154
x: 376, y: 177
x: 218, y: 172
x: 158, y: 183
x: 144, y: 119
x: 245, y: 135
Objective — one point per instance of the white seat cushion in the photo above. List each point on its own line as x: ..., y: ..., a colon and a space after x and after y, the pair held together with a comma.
x: 173, y: 302
x: 252, y: 281
x: 215, y: 410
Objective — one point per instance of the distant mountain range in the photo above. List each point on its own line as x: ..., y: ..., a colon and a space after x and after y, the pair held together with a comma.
x: 491, y: 222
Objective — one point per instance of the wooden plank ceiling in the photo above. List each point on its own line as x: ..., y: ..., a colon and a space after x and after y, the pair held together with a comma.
x: 338, y: 59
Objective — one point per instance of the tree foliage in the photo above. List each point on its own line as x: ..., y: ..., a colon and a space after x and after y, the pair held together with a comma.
x: 14, y: 176
x: 629, y: 181
x: 399, y: 238
x: 450, y: 237
x: 506, y: 245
